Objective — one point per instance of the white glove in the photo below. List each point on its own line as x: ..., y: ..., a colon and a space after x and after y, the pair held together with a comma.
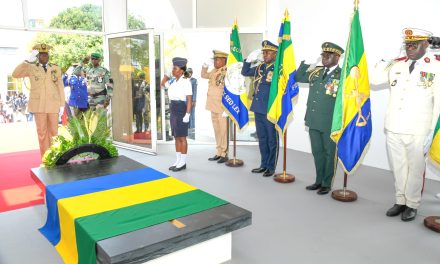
x: 61, y: 111
x: 186, y: 118
x: 208, y: 63
x: 253, y: 56
x: 428, y: 142
x: 32, y: 56
x: 317, y: 62
x: 224, y: 114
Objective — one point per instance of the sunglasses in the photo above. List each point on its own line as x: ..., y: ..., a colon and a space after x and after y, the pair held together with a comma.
x: 413, y: 45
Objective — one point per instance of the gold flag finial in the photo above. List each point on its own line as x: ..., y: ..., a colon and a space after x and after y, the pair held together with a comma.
x: 356, y: 4
x: 286, y: 12
x: 235, y: 21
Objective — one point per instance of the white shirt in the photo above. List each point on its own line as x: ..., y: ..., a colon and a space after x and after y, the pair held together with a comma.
x: 178, y: 89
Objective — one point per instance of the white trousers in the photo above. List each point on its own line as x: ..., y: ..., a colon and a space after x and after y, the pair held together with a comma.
x: 405, y: 153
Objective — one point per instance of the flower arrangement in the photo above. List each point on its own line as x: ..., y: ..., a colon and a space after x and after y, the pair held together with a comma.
x: 89, y: 127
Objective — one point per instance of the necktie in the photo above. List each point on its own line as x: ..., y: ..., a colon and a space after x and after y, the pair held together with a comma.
x: 411, y: 67
x: 325, y: 73
x: 45, y: 67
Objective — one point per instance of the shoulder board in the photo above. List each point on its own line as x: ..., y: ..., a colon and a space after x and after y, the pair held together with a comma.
x: 437, y: 57
x: 401, y: 59
x: 315, y: 71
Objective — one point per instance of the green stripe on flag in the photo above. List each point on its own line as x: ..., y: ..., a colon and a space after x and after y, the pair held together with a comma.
x: 91, y: 229
x: 354, y: 53
x: 235, y: 45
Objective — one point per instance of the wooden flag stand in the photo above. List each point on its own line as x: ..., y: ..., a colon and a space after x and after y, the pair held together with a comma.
x: 234, y: 162
x: 284, y: 177
x: 344, y: 195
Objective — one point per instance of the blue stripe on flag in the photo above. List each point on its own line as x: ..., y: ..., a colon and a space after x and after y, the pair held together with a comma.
x: 354, y: 139
x: 291, y: 91
x: 233, y: 104
x: 51, y: 230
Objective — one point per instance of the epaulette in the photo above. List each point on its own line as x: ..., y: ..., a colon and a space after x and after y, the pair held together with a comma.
x: 437, y: 57
x: 315, y: 71
x: 401, y: 59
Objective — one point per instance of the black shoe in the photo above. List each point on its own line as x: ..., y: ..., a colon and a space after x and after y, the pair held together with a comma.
x: 323, y: 190
x: 313, y: 187
x: 396, y: 210
x: 222, y: 159
x: 259, y: 170
x: 180, y: 168
x: 268, y: 173
x: 409, y: 214
x: 214, y: 158
x: 172, y: 168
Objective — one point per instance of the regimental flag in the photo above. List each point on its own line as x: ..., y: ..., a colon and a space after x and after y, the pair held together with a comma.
x: 351, y: 128
x: 80, y: 213
x: 434, y: 152
x: 283, y: 88
x: 234, y: 98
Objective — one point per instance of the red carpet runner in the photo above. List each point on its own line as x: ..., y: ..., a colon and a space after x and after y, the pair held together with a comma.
x: 17, y: 189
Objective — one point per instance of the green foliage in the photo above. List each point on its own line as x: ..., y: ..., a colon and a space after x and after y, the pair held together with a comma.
x: 87, y: 128
x: 71, y: 48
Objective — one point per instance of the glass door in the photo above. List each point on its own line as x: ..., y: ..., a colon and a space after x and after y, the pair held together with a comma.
x: 130, y: 57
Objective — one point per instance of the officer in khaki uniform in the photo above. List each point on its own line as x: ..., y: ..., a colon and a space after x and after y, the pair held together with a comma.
x: 100, y: 84
x: 324, y: 82
x: 411, y: 116
x: 46, y: 98
x: 216, y: 86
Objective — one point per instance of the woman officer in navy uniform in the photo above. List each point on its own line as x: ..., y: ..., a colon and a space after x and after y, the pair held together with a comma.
x: 180, y: 95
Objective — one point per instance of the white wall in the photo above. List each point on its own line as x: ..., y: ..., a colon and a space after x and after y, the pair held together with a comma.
x: 316, y: 21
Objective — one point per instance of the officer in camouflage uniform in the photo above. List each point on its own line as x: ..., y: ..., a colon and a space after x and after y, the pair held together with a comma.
x: 324, y: 82
x: 99, y: 82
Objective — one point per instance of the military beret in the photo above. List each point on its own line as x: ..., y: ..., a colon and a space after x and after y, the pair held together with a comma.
x: 267, y: 45
x: 96, y: 55
x: 332, y: 47
x: 42, y: 48
x: 219, y: 54
x: 415, y: 34
x: 179, y: 62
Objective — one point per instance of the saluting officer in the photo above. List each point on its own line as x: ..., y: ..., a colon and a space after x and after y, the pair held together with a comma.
x: 323, y: 85
x: 411, y: 117
x: 267, y: 135
x: 216, y: 87
x: 46, y: 98
x: 100, y: 85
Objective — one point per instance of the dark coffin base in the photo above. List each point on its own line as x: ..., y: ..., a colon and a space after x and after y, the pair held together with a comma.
x: 155, y: 241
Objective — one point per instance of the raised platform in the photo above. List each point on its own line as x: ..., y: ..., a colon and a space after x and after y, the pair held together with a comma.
x: 194, y: 233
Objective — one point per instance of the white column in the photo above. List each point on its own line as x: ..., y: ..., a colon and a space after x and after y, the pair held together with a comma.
x: 114, y: 16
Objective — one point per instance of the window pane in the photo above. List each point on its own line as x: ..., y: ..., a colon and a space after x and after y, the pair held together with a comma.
x: 11, y: 14
x: 64, y: 14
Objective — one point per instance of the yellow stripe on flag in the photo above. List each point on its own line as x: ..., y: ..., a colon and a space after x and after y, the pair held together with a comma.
x: 349, y: 97
x: 94, y: 203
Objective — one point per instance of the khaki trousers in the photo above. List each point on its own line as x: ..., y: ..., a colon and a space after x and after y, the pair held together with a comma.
x: 405, y: 153
x: 47, y: 127
x: 219, y: 124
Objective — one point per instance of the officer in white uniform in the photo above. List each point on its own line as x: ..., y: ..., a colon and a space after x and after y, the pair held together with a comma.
x: 411, y: 116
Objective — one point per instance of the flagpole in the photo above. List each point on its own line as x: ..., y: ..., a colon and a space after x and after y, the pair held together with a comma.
x: 284, y: 177
x: 346, y: 195
x: 234, y: 162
